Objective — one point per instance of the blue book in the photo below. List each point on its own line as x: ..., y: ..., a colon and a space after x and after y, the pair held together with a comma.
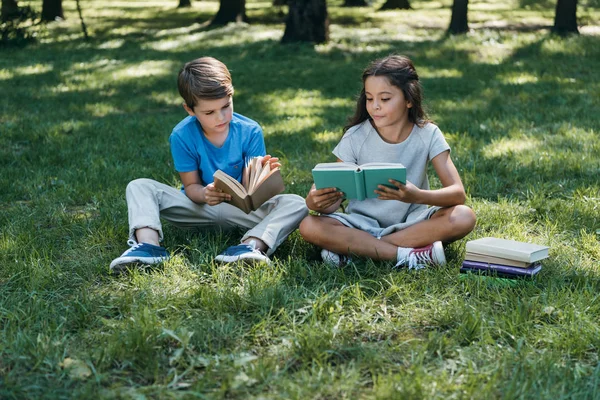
x: 357, y: 181
x: 500, y: 270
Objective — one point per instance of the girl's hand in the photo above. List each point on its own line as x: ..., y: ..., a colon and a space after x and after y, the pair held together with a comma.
x: 321, y: 200
x: 273, y: 161
x: 408, y: 193
x: 214, y: 196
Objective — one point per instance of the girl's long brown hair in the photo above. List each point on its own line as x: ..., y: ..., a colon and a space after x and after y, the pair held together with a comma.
x: 400, y: 72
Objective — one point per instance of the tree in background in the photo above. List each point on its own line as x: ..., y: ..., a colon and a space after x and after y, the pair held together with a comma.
x: 51, y: 10
x: 10, y: 9
x: 459, y: 22
x: 565, y: 17
x: 230, y: 11
x: 307, y: 21
x: 184, y: 3
x: 395, y: 5
x: 355, y: 3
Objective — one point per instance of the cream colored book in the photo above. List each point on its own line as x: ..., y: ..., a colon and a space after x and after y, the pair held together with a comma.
x: 258, y: 185
x: 508, y: 249
x: 496, y: 260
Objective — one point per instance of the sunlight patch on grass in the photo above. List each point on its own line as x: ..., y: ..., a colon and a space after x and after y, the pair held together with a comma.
x: 298, y: 102
x: 518, y: 78
x: 144, y: 68
x: 112, y: 44
x: 33, y: 69
x: 326, y: 136
x: 101, y: 109
x: 233, y: 34
x: 509, y: 146
x: 6, y: 75
x: 426, y: 72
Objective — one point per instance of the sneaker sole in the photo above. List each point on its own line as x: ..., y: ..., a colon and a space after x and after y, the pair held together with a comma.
x: 122, y: 261
x: 248, y: 258
x: 438, y: 253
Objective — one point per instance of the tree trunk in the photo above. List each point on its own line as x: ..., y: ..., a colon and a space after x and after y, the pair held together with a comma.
x: 10, y: 9
x: 395, y: 5
x: 184, y: 3
x: 230, y: 11
x: 278, y: 3
x: 51, y: 10
x: 459, y: 22
x: 356, y: 3
x: 306, y: 22
x: 565, y: 18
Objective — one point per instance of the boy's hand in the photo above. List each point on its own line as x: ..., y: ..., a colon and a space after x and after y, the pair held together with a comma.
x: 214, y: 196
x: 408, y: 193
x: 274, y: 161
x: 321, y: 200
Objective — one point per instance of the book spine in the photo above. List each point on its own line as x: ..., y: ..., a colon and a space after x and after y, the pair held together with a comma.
x: 493, y: 274
x: 359, y: 180
x: 503, y: 269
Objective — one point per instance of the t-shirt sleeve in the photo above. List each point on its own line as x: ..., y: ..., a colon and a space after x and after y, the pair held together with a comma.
x: 438, y: 144
x: 256, y: 144
x: 184, y: 159
x: 344, y: 149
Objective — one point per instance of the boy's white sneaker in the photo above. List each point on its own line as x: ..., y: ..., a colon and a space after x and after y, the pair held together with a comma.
x: 421, y: 257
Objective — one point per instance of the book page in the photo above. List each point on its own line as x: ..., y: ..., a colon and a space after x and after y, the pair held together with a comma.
x: 270, y: 186
x: 264, y: 176
x: 246, y: 173
x: 377, y: 165
x: 255, y: 168
x: 335, y: 166
x: 260, y: 177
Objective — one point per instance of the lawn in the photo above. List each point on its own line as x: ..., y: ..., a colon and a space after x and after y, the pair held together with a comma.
x: 80, y: 119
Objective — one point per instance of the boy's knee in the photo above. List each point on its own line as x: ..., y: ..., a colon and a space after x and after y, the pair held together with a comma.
x: 138, y: 183
x: 293, y: 202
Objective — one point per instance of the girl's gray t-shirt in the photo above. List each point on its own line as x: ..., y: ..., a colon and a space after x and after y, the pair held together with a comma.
x: 362, y: 144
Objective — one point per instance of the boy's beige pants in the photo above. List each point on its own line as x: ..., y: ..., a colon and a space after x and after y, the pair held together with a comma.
x: 148, y: 201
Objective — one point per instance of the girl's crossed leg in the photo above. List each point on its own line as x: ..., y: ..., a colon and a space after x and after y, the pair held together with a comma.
x: 446, y: 225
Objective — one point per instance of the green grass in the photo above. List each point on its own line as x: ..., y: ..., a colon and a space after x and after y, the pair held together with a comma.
x: 79, y: 120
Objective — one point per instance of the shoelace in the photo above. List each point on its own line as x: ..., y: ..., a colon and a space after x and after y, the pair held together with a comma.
x: 419, y: 259
x: 133, y: 245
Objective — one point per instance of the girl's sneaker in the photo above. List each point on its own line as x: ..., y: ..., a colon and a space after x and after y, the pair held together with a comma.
x: 335, y: 260
x: 242, y: 252
x: 421, y: 257
x: 139, y: 253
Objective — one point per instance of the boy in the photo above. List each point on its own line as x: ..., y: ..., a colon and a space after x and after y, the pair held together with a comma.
x: 212, y: 137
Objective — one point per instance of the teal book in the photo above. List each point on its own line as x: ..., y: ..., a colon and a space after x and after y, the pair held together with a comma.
x: 357, y: 181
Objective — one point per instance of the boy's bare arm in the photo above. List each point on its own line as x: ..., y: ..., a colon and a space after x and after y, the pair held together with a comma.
x: 200, y: 194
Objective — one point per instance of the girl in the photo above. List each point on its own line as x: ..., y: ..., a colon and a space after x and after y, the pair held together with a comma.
x: 390, y: 125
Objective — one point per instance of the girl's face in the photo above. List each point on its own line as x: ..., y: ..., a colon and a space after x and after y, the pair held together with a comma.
x: 385, y: 102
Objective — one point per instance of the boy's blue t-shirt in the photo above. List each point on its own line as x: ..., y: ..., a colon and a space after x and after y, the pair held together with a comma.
x: 192, y: 151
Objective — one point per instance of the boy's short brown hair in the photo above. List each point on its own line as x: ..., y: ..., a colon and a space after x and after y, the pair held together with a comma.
x: 204, y: 78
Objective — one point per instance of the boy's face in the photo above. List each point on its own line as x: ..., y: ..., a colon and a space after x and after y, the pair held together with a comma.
x: 213, y: 115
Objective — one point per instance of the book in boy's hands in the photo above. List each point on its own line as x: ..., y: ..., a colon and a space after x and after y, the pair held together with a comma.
x: 509, y: 249
x: 504, y: 271
x: 357, y: 181
x: 259, y: 184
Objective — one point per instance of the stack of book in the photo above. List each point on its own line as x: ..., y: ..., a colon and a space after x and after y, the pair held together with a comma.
x: 503, y: 258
